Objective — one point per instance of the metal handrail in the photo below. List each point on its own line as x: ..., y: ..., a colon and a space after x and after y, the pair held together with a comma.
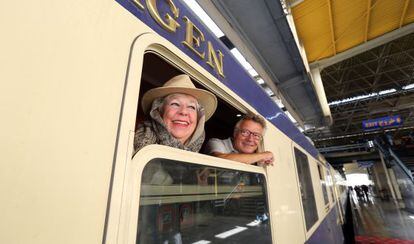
x: 391, y: 153
x: 401, y: 164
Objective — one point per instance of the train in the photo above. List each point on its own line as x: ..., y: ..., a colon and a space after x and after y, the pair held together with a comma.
x: 73, y: 75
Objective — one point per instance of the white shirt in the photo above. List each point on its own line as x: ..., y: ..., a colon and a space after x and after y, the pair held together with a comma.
x: 215, y: 145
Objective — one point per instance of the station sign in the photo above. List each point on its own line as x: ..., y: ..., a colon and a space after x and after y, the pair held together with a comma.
x: 382, y: 122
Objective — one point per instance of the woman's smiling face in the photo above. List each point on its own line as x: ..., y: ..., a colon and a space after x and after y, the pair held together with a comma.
x: 179, y: 114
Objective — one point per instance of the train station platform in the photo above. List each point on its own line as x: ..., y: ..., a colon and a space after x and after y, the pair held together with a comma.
x: 381, y: 221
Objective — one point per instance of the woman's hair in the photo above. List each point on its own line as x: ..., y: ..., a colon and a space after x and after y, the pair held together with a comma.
x: 252, y: 117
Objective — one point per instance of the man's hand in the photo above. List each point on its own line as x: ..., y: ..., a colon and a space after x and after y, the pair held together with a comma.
x: 266, y: 158
x: 262, y: 158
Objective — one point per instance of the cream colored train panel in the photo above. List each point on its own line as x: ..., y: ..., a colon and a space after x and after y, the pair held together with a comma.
x: 72, y: 76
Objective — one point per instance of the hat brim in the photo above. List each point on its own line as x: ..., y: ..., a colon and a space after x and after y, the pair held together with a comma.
x: 205, y: 98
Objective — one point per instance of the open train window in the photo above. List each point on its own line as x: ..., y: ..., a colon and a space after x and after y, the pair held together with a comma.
x: 306, y: 189
x: 153, y: 61
x: 156, y: 71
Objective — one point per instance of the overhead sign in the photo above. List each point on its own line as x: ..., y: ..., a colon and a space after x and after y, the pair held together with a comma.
x: 381, y: 122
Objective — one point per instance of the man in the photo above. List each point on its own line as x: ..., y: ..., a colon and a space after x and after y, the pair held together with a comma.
x: 247, y: 135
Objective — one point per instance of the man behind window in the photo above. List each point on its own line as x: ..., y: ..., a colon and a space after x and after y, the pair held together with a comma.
x: 247, y: 135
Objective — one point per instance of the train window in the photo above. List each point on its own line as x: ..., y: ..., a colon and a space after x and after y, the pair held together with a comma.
x: 323, y: 184
x: 306, y: 189
x: 330, y: 183
x: 225, y: 117
x: 189, y: 203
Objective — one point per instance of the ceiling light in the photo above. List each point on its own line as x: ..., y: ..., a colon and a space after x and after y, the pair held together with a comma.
x: 203, y: 16
x: 407, y: 87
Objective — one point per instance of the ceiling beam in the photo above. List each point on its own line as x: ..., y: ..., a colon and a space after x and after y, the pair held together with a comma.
x: 409, y: 65
x: 404, y: 12
x: 331, y: 24
x: 363, y: 133
x: 405, y: 30
x: 367, y: 22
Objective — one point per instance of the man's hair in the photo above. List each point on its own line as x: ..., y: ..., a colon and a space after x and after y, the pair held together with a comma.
x: 253, y: 117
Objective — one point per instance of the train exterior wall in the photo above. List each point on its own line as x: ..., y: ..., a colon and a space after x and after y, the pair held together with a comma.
x: 63, y: 68
x: 329, y: 231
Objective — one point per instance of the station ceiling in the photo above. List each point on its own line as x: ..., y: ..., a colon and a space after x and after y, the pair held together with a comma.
x: 328, y: 27
x: 380, y: 71
x: 381, y: 74
x: 361, y: 47
x: 260, y: 30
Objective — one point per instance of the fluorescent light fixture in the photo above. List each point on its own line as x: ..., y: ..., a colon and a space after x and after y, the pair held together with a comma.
x: 246, y: 65
x: 231, y: 232
x: 351, y: 99
x: 202, y: 242
x: 253, y: 72
x: 374, y: 94
x: 408, y: 87
x: 203, y: 16
x: 278, y: 102
x: 260, y: 81
x: 387, y: 91
x: 290, y: 117
x: 411, y: 216
x: 269, y: 91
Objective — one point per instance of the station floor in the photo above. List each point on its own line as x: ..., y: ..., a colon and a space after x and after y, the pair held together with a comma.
x: 379, y: 221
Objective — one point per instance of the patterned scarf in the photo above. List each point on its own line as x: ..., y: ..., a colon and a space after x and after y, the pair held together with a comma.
x: 153, y: 131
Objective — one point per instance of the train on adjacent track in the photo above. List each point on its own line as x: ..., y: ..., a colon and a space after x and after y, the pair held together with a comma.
x: 73, y: 76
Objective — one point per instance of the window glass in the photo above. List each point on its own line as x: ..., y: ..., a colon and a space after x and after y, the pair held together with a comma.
x: 306, y: 189
x: 330, y: 183
x: 323, y: 183
x: 188, y: 203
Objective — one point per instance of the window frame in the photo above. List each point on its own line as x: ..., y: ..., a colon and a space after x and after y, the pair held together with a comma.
x: 324, y: 187
x: 176, y: 156
x: 131, y: 197
x: 117, y: 222
x: 310, y: 229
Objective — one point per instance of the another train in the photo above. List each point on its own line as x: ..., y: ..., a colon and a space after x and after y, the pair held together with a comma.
x: 73, y: 73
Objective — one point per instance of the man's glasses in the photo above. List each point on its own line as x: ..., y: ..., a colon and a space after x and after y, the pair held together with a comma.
x: 247, y: 133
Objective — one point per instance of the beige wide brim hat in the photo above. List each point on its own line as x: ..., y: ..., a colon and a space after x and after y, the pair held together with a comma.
x: 181, y: 84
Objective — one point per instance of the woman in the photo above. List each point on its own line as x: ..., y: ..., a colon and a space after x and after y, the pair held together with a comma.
x: 177, y: 113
